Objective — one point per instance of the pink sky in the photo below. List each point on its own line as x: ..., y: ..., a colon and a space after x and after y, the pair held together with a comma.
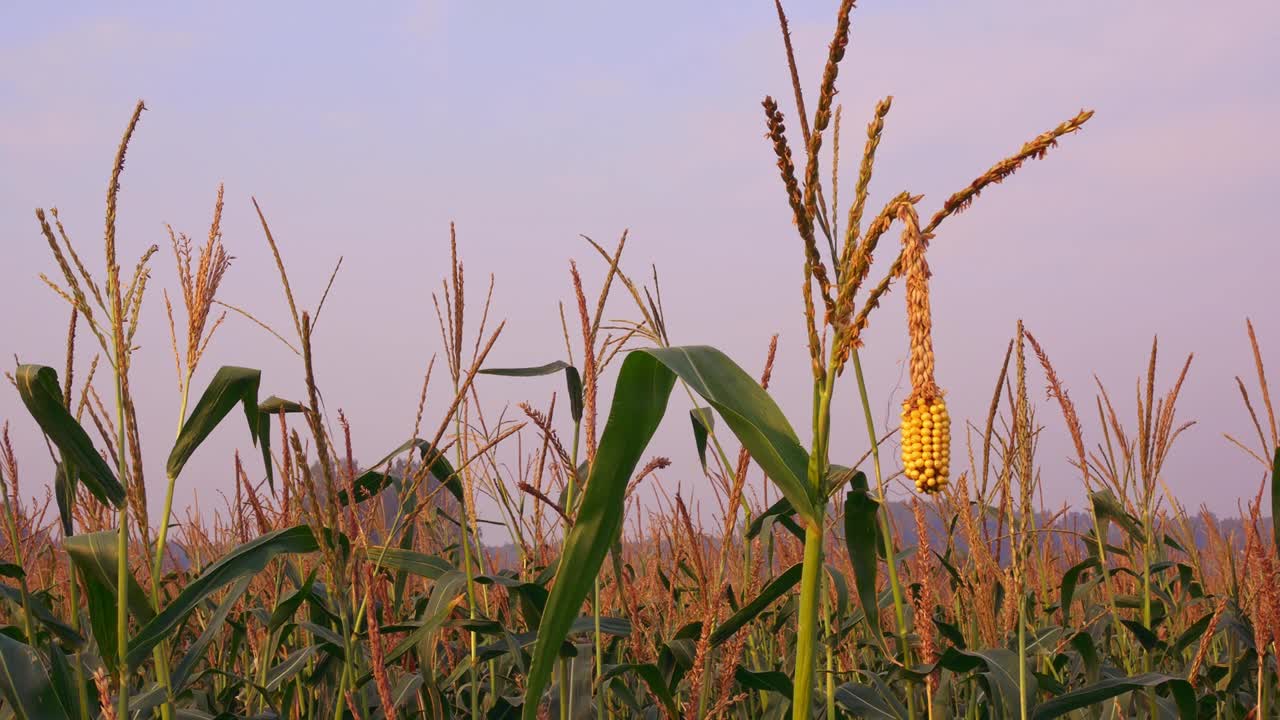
x: 363, y: 136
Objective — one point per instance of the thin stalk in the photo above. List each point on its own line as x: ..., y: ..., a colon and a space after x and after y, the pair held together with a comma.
x: 885, y: 529
x: 566, y: 664
x: 27, y: 625
x: 160, y: 653
x: 81, y: 687
x: 122, y: 559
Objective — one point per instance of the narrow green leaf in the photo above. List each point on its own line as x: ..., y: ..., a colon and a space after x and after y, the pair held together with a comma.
x: 639, y: 402
x: 1183, y: 695
x: 65, y: 481
x: 65, y: 633
x: 572, y: 380
x: 25, y: 683
x: 861, y: 537
x: 178, y: 680
x: 246, y: 560
x: 869, y: 702
x: 767, y: 680
x: 652, y: 677
x: 1275, y: 499
x: 1069, y: 581
x: 374, y: 481
x: 776, y: 588
x: 703, y: 423
x: 38, y: 387
x: 430, y: 567
x: 286, y: 669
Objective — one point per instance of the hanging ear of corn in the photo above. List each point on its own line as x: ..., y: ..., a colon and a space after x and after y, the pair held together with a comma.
x: 926, y: 425
x: 926, y: 442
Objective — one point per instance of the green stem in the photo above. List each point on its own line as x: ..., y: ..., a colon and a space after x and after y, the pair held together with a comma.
x: 885, y: 527
x: 807, y: 630
x: 122, y: 552
x: 12, y: 523
x: 81, y: 687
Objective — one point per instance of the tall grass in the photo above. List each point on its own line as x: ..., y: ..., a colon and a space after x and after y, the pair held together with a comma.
x: 330, y: 589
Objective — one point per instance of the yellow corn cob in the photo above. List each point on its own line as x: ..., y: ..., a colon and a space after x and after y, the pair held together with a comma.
x: 926, y: 443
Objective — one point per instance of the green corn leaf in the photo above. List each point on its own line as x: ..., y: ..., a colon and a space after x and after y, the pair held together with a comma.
x: 1107, y: 508
x: 274, y: 406
x: 703, y: 423
x: 776, y: 588
x: 652, y: 677
x: 430, y: 567
x: 571, y: 377
x: 639, y: 402
x: 870, y: 702
x: 25, y: 683
x: 245, y: 560
x: 1070, y: 579
x: 65, y: 481
x: 1275, y: 499
x: 178, y: 679
x: 65, y: 633
x: 780, y: 512
x: 861, y: 537
x: 288, y: 668
x: 38, y: 387
x: 1183, y: 695
x: 285, y: 609
x: 767, y: 680
x: 94, y: 555
x: 374, y: 481
x: 751, y: 414
x: 229, y: 387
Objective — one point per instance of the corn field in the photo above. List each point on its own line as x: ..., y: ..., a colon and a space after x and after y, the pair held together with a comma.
x: 331, y: 589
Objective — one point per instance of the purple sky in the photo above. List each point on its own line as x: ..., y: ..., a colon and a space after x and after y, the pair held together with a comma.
x: 364, y: 135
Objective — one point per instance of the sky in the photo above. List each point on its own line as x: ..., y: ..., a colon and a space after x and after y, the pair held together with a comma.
x: 364, y: 134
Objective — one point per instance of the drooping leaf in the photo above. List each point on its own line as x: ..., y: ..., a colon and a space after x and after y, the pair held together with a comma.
x: 229, y: 387
x: 245, y: 560
x: 703, y: 423
x: 572, y: 380
x: 38, y: 387
x: 861, y: 537
x: 751, y: 414
x: 1183, y: 695
x: 374, y: 481
x: 274, y: 406
x: 430, y: 567
x: 639, y: 402
x: 1107, y: 508
x: 25, y: 683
